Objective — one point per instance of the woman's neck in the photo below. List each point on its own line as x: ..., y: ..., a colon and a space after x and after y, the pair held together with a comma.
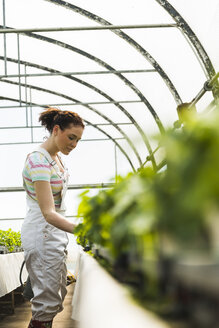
x: 50, y: 146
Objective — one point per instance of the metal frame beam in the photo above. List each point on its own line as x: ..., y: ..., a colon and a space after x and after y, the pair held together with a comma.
x: 83, y: 28
x: 141, y: 132
x: 79, y: 103
x: 96, y: 127
x: 76, y: 101
x: 81, y: 73
x: 189, y: 33
x: 37, y: 142
x: 70, y: 187
x: 144, y: 137
x: 69, y: 5
x: 101, y: 27
x: 104, y: 23
x: 40, y: 126
x: 19, y: 219
x: 122, y: 77
x: 208, y: 86
x: 5, y: 46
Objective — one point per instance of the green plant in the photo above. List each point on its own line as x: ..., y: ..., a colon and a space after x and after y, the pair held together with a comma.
x: 146, y: 212
x: 10, y: 239
x: 188, y: 192
x: 122, y: 218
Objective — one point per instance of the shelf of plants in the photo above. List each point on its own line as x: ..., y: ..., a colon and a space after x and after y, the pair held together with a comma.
x: 157, y: 232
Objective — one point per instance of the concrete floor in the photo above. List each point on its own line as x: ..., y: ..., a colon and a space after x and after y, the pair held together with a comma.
x: 22, y: 315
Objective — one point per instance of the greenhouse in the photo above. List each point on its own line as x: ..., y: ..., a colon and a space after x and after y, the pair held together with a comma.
x: 109, y: 184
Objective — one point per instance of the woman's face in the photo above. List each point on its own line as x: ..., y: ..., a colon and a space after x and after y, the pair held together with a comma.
x: 66, y: 140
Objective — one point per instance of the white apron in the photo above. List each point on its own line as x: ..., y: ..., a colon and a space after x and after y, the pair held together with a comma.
x: 45, y: 255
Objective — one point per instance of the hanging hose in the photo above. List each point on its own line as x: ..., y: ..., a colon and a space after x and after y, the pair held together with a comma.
x: 20, y: 276
x: 28, y: 292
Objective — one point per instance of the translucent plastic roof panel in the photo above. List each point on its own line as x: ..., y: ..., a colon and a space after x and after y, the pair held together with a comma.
x: 125, y: 82
x: 203, y: 17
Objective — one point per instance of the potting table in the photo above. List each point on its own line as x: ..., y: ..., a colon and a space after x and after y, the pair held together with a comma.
x: 10, y: 265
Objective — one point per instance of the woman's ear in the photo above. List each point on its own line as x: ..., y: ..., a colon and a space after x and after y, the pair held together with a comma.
x: 55, y: 130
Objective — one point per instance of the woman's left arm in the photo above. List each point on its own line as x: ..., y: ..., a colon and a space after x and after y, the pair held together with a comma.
x: 47, y: 206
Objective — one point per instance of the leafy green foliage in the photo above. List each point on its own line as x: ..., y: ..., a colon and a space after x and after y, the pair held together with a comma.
x: 10, y: 239
x: 189, y: 190
x: 122, y: 220
x: 146, y: 212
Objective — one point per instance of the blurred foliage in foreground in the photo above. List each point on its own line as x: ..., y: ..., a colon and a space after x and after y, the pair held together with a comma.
x: 151, y: 215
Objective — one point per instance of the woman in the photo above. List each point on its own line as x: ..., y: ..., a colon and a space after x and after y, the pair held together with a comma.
x: 43, y: 232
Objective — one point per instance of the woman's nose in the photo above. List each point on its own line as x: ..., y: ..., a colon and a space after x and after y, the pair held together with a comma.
x: 73, y: 143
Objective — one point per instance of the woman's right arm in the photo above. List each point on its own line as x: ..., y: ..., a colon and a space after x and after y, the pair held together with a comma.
x: 46, y: 203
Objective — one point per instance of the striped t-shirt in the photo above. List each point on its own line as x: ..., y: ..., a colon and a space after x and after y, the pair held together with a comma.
x: 38, y: 168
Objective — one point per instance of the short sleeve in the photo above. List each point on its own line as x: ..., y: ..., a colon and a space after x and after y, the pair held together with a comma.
x: 38, y: 167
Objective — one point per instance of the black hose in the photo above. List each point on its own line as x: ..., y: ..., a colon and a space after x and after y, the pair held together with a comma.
x: 20, y: 276
x: 28, y: 292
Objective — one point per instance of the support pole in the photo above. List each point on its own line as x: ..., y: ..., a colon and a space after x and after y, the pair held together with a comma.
x: 208, y: 86
x: 116, y: 167
x: 19, y: 67
x: 5, y: 46
x: 31, y: 115
x: 25, y: 71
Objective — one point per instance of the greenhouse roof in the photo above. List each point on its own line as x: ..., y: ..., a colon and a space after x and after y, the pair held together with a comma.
x: 124, y: 66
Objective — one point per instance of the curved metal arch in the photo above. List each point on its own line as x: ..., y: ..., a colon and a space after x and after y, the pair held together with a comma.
x: 74, y: 79
x: 88, y: 85
x: 124, y: 79
x: 86, y: 121
x: 104, y: 64
x: 127, y: 38
x: 209, y: 68
x: 83, y: 83
x: 77, y: 101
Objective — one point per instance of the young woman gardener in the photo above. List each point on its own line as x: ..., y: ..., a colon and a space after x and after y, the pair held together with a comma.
x: 43, y: 232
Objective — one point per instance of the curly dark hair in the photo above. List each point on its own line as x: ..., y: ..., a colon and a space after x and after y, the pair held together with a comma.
x: 53, y: 116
